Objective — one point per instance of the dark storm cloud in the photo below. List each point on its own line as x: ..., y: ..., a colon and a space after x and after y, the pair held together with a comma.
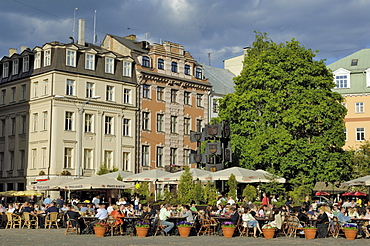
x: 219, y: 27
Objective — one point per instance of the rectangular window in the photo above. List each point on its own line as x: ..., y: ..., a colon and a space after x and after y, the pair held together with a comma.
x: 109, y: 93
x: 88, y: 122
x: 341, y: 81
x: 69, y: 121
x: 26, y: 64
x: 145, y: 155
x: 3, y: 96
x: 187, y: 70
x: 145, y: 61
x: 173, y: 156
x: 145, y: 121
x: 174, y: 67
x: 68, y: 156
x: 43, y: 157
x: 88, y: 160
x: 109, y: 65
x: 160, y: 94
x: 127, y: 96
x: 127, y: 69
x: 89, y: 90
x: 13, y: 126
x: 198, y: 73
x: 23, y: 124
x: 160, y: 157
x: 160, y: 64
x: 126, y: 161
x: 22, y: 160
x: 199, y: 125
x: 90, y: 61
x: 186, y: 126
x: 45, y: 87
x: 199, y: 100
x: 146, y: 89
x: 2, y: 130
x: 44, y: 120
x: 108, y: 125
x: 359, y: 107
x: 15, y: 66
x: 187, y: 98
x: 174, y: 96
x: 33, y: 158
x: 70, y: 87
x: 354, y: 62
x: 186, y: 157
x: 14, y: 90
x: 173, y: 124
x: 360, y: 134
x: 215, y: 106
x: 160, y: 122
x: 23, y: 92
x: 37, y: 63
x: 71, y: 58
x: 108, y: 158
x: 35, y: 119
x: 11, y: 164
x: 47, y: 58
x: 345, y: 134
x: 5, y: 69
x: 35, y: 89
x: 126, y: 127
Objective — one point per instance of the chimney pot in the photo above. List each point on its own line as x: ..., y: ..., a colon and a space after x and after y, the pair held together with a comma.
x: 12, y: 51
x: 81, y: 32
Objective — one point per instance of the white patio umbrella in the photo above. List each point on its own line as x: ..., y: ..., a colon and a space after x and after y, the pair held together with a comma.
x: 242, y: 175
x: 359, y: 181
x: 52, y: 184
x: 195, y: 172
x: 123, y: 174
x: 96, y: 182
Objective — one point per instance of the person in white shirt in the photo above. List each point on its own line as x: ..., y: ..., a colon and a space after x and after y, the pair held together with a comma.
x: 230, y: 201
x: 102, y: 213
x: 164, y: 214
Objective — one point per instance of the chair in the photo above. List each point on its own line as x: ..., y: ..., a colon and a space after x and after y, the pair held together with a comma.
x: 52, y: 218
x: 112, y: 225
x: 159, y: 228
x: 205, y: 227
x: 70, y: 227
x: 293, y: 226
x: 17, y: 220
x: 334, y: 231
x: 30, y: 220
x: 244, y: 229
x: 9, y: 223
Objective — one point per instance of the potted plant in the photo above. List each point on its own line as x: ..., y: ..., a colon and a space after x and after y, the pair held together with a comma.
x: 184, y: 228
x: 228, y: 229
x: 268, y: 231
x: 309, y: 232
x: 142, y: 228
x: 100, y: 228
x: 350, y: 231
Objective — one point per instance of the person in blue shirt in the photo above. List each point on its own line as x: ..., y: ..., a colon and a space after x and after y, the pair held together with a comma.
x: 47, y: 200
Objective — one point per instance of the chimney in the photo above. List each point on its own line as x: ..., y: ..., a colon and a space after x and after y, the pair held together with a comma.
x: 131, y: 37
x: 23, y: 48
x: 81, y: 32
x: 12, y: 51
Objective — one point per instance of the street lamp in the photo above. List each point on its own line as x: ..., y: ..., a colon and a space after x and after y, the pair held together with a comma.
x: 80, y: 130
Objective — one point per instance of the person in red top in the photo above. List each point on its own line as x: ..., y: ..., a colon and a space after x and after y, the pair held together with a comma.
x: 265, y: 199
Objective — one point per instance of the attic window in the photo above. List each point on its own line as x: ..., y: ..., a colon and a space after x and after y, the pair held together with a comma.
x: 354, y: 62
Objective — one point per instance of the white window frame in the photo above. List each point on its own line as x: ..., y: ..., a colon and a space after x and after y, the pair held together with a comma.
x: 109, y: 65
x: 359, y: 107
x: 43, y: 157
x: 35, y: 89
x: 187, y: 124
x: 145, y: 160
x: 173, y: 156
x: 68, y: 158
x: 90, y: 89
x: 174, y: 124
x: 126, y: 161
x: 109, y: 125
x: 88, y: 159
x: 68, y: 121
x: 47, y: 57
x: 146, y: 121
x: 108, y: 159
x: 15, y: 69
x: 126, y: 131
x: 342, y: 72
x: 45, y: 120
x: 360, y: 134
x: 109, y: 94
x: 127, y: 68
x: 5, y: 69
x: 33, y: 158
x: 24, y: 91
x: 71, y: 57
x: 70, y: 84
x: 199, y: 100
x: 187, y: 97
x: 45, y: 88
x: 89, y: 123
x: 160, y: 122
x: 90, y: 61
x: 126, y: 96
x: 35, y: 119
x: 14, y: 92
x: 26, y: 64
x: 37, y: 60
x: 160, y: 156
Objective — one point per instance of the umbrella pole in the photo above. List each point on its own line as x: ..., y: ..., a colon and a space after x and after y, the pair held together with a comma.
x: 155, y: 190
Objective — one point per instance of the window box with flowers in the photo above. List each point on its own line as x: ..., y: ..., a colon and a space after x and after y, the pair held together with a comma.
x: 228, y: 229
x: 268, y: 231
x: 184, y: 228
x: 142, y: 228
x: 350, y: 231
x: 100, y: 228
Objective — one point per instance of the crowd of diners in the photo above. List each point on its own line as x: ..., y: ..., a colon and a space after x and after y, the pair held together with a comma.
x: 242, y: 214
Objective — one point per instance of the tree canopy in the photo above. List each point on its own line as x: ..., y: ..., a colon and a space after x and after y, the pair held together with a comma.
x: 284, y: 117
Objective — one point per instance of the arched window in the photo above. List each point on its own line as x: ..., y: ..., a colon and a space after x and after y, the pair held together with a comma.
x: 145, y: 61
x: 160, y: 63
x: 174, y: 67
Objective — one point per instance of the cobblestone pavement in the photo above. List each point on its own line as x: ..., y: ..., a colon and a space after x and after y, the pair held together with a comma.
x: 56, y: 237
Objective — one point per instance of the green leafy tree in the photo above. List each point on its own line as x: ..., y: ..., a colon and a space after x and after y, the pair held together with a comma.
x: 283, y: 116
x: 210, y: 193
x: 299, y: 193
x: 232, y: 186
x: 103, y: 169
x: 198, y: 192
x: 273, y: 188
x: 186, y: 187
x: 360, y: 160
x: 119, y: 177
x: 250, y: 193
x: 143, y: 189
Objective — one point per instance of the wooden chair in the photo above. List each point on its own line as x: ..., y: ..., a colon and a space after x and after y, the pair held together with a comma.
x: 9, y: 223
x: 334, y: 231
x: 70, y: 227
x: 159, y: 228
x: 205, y: 227
x: 245, y: 229
x: 51, y: 218
x: 112, y: 225
x: 17, y: 221
x: 293, y: 226
x: 30, y: 220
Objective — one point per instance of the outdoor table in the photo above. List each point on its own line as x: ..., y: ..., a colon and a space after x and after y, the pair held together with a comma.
x: 220, y: 220
x: 129, y: 225
x: 313, y: 222
x: 175, y: 220
x: 359, y: 222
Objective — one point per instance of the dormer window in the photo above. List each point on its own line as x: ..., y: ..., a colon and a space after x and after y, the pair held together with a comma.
x: 5, y: 69
x: 90, y: 61
x: 198, y: 73
x: 26, y: 64
x: 127, y: 69
x: 47, y: 58
x: 15, y: 66
x: 354, y: 62
x: 71, y: 58
x: 37, y: 63
x: 160, y: 63
x: 174, y: 67
x: 109, y: 65
x: 145, y: 61
x: 342, y: 78
x: 187, y: 69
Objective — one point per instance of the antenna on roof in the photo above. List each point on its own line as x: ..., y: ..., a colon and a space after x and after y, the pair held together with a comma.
x: 209, y: 59
x: 74, y: 23
x: 147, y: 36
x: 95, y: 36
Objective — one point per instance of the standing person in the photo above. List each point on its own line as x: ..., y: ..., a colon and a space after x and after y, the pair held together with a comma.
x: 231, y: 201
x: 47, y: 200
x: 306, y: 204
x: 164, y: 214
x: 136, y: 203
x: 322, y: 223
x: 59, y: 202
x: 96, y: 201
x: 265, y: 199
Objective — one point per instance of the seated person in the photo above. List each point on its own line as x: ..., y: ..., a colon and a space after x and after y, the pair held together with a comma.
x: 302, y: 216
x: 164, y: 214
x: 186, y: 213
x: 73, y: 216
x: 249, y: 221
x: 234, y: 215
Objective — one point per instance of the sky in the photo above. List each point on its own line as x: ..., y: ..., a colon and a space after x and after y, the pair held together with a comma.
x: 211, y: 30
